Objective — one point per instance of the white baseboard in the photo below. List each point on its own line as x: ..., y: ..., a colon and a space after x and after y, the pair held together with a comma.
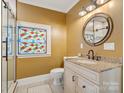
x: 33, y: 79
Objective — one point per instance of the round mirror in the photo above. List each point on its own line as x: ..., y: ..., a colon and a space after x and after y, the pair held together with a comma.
x: 97, y: 29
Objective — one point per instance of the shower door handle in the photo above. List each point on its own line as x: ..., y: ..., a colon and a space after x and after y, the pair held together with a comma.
x: 6, y: 49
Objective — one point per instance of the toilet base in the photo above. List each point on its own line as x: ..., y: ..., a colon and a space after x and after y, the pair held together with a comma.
x: 58, y: 81
x: 56, y: 76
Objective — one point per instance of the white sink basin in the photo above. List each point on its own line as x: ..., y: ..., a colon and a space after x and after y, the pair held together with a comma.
x: 86, y: 61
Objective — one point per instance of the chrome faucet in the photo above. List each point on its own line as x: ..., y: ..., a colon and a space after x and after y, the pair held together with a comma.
x: 92, y: 56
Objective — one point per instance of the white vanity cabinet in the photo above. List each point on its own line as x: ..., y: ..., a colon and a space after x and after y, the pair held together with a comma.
x: 78, y: 79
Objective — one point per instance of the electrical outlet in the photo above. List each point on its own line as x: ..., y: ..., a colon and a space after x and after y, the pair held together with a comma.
x: 109, y: 46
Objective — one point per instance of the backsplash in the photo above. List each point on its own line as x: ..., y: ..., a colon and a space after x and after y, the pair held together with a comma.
x: 107, y: 59
x: 112, y: 59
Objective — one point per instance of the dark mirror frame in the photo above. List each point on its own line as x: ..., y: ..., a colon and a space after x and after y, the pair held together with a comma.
x: 108, y: 34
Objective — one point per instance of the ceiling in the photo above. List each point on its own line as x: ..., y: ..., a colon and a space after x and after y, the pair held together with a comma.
x: 57, y: 5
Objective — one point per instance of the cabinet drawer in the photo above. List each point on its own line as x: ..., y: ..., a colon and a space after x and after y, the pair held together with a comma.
x: 85, y: 86
x: 84, y: 72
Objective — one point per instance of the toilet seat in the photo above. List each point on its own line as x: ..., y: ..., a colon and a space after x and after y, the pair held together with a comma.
x: 57, y: 70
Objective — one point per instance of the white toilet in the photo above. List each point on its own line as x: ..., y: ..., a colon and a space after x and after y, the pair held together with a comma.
x: 57, y: 76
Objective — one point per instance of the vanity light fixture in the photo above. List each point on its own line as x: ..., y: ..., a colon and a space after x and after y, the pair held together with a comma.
x: 100, y: 2
x: 90, y: 7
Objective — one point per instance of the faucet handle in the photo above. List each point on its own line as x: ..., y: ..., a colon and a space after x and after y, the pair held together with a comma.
x: 97, y: 58
x: 88, y: 56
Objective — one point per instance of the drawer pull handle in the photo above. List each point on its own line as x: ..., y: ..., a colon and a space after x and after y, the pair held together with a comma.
x: 73, y: 78
x: 83, y: 86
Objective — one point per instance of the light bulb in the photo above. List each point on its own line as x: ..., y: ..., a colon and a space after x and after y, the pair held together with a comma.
x: 90, y: 7
x: 100, y: 2
x: 82, y: 13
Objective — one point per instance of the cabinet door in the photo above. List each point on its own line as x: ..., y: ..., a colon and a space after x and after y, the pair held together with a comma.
x: 69, y: 81
x: 85, y: 86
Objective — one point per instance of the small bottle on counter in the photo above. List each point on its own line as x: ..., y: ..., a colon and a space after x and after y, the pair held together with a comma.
x: 80, y: 55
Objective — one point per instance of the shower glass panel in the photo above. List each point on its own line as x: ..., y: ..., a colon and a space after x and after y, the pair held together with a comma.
x: 11, y: 47
x: 4, y: 52
x: 8, y: 47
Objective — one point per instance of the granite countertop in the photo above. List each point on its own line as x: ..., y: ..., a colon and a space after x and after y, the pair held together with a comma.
x: 97, y: 66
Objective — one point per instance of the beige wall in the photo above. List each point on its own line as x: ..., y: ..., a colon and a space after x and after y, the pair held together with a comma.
x: 36, y: 66
x: 75, y: 24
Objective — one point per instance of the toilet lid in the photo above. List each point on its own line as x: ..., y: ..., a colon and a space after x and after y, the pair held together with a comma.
x: 56, y: 70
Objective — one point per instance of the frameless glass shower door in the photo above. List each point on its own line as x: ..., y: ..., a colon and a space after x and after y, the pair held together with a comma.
x: 11, y: 48
x: 4, y: 48
x: 8, y: 47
